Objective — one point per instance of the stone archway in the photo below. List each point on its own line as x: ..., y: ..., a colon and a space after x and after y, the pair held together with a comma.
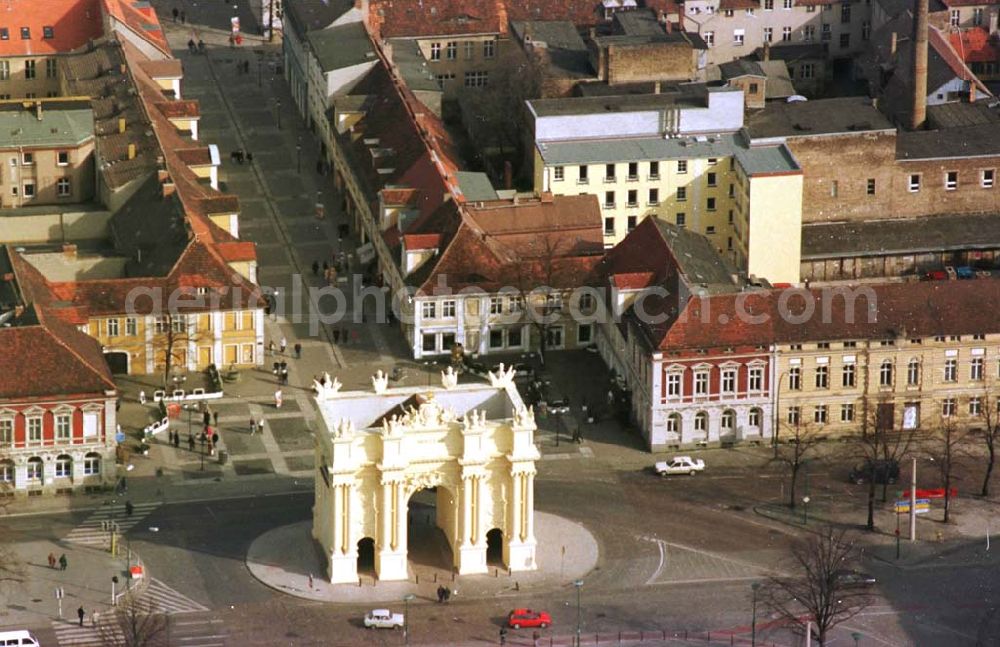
x: 366, y: 556
x: 494, y: 548
x: 472, y: 444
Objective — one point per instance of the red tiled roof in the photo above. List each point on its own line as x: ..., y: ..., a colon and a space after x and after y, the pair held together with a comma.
x: 178, y: 109
x: 235, y: 252
x: 421, y: 241
x: 400, y: 197
x: 725, y: 5
x: 969, y: 3
x: 146, y: 25
x: 63, y: 360
x: 975, y: 45
x: 166, y: 69
x: 194, y: 156
x: 632, y: 280
x: 951, y: 58
x: 73, y: 23
x: 405, y: 18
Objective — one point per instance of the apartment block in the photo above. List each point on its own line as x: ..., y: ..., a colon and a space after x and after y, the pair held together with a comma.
x: 48, y: 145
x: 678, y: 156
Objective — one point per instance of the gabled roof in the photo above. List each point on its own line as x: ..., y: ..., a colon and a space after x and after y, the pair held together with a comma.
x: 72, y: 24
x: 975, y: 45
x: 63, y: 360
x: 139, y: 17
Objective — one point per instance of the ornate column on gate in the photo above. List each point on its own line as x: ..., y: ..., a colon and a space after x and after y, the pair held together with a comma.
x: 390, y: 551
x: 519, y: 536
x: 470, y: 556
x: 335, y: 527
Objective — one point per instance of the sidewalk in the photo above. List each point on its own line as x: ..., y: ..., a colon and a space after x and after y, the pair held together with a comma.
x: 86, y: 582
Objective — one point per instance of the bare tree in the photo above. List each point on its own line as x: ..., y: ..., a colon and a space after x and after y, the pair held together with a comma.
x: 539, y: 277
x: 794, y: 453
x: 990, y: 434
x: 816, y: 588
x: 171, y: 341
x: 496, y: 115
x: 134, y: 623
x: 881, y: 443
x: 946, y: 448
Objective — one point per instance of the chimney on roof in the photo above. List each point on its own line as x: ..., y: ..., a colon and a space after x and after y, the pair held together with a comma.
x: 38, y: 110
x: 893, y: 44
x: 121, y: 125
x: 918, y: 111
x: 508, y: 175
x: 162, y: 175
x: 767, y: 51
x: 169, y: 188
x: 131, y: 151
x: 121, y: 68
x: 972, y: 90
x: 668, y: 26
x: 69, y: 251
x: 593, y: 33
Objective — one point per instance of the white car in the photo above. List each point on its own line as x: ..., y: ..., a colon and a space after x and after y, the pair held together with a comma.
x: 383, y: 619
x: 679, y: 465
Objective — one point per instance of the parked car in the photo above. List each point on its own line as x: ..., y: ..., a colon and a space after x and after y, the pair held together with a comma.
x: 935, y: 275
x: 383, y: 619
x: 528, y: 618
x: 679, y: 465
x: 965, y: 272
x: 882, y: 471
x: 855, y: 578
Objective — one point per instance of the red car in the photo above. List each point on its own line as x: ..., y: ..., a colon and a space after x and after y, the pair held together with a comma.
x: 528, y: 618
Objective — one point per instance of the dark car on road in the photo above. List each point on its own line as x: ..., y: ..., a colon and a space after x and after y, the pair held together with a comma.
x: 881, y: 471
x: 855, y: 579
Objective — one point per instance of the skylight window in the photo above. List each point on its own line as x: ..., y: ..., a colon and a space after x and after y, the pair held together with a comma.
x: 48, y: 32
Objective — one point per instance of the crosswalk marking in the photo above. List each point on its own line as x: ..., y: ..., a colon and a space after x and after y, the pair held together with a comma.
x: 71, y: 634
x: 161, y: 598
x: 91, y: 532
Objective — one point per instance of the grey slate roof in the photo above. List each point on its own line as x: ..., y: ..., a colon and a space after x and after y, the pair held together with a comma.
x: 476, y: 187
x: 822, y: 117
x: 903, y: 236
x: 561, y: 42
x: 755, y: 160
x: 689, y: 94
x: 306, y: 15
x: 412, y: 66
x: 740, y: 67
x: 342, y: 46
x: 960, y: 113
x: 698, y: 258
x: 966, y: 141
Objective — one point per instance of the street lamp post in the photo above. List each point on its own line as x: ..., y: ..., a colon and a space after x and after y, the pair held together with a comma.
x: 805, y: 510
x: 278, y: 113
x: 406, y: 617
x: 753, y: 620
x: 579, y: 585
x: 777, y: 413
x: 298, y: 156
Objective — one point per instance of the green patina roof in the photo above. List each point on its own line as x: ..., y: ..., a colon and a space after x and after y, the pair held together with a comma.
x: 57, y: 127
x: 476, y: 187
x: 342, y: 46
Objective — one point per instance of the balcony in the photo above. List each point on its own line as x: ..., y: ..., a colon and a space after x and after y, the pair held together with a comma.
x: 610, y: 179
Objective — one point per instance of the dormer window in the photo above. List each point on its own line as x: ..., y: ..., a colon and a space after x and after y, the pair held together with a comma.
x: 4, y: 33
x: 25, y: 33
x: 48, y: 33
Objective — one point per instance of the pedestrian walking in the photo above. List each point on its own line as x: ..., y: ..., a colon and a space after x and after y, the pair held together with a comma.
x: 253, y: 426
x: 81, y: 613
x: 95, y: 617
x: 201, y: 46
x: 270, y: 347
x: 260, y: 426
x: 52, y: 560
x: 315, y: 268
x: 177, y: 439
x: 503, y: 635
x: 298, y: 350
x: 440, y: 594
x: 277, y: 399
x: 63, y: 562
x: 447, y: 594
x: 249, y: 154
x: 142, y: 397
x: 129, y: 508
x: 190, y: 442
x: 184, y: 18
x: 284, y: 345
x: 535, y: 636
x: 175, y: 13
x: 215, y: 439
x: 215, y: 418
x: 206, y: 418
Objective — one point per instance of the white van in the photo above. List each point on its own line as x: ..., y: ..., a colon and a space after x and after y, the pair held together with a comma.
x: 20, y: 638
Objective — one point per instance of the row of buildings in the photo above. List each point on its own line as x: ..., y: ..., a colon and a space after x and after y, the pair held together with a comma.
x: 118, y: 252
x: 706, y: 202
